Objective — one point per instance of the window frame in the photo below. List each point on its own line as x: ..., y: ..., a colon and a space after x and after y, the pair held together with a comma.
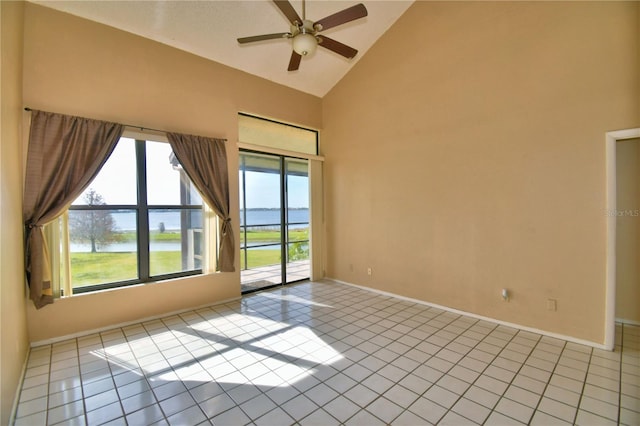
x: 286, y: 151
x: 141, y: 209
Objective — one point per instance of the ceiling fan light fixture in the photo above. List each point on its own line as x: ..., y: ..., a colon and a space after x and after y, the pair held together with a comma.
x: 304, y: 32
x: 304, y: 44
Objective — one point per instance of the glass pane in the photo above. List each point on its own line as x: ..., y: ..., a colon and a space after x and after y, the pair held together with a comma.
x: 298, y: 215
x: 243, y: 256
x: 298, y: 251
x: 241, y: 186
x: 263, y: 267
x: 193, y: 196
x: 265, y: 256
x: 261, y: 235
x: 261, y: 217
x: 297, y: 191
x: 175, y: 240
x: 298, y: 266
x: 104, y: 246
x: 298, y: 233
x: 167, y: 182
x: 262, y: 201
x: 116, y: 181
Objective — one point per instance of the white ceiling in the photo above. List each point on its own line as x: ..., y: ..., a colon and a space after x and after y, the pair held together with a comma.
x: 210, y: 29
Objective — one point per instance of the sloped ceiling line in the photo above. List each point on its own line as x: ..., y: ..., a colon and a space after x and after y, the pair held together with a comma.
x: 210, y: 29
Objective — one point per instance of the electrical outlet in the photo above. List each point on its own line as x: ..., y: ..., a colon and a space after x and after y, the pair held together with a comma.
x: 369, y: 271
x: 552, y: 305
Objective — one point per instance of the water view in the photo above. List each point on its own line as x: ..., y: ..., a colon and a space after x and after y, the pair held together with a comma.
x: 169, y: 221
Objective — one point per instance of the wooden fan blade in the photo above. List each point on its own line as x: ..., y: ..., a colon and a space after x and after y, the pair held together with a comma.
x: 263, y: 37
x: 294, y: 62
x: 288, y: 10
x: 336, y: 46
x: 347, y: 15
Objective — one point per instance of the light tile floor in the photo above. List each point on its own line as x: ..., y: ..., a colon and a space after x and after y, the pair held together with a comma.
x: 326, y: 353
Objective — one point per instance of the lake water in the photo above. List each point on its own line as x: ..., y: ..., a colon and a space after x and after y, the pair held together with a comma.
x: 272, y: 216
x: 126, y: 221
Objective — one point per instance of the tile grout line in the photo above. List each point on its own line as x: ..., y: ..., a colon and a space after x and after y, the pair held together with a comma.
x: 171, y: 367
x: 49, y: 385
x: 343, y: 394
x: 224, y: 391
x: 146, y: 379
x: 515, y: 375
x: 434, y: 355
x: 398, y: 332
x: 124, y: 414
x: 620, y: 375
x: 476, y: 379
x: 338, y: 393
x: 398, y: 356
x: 371, y: 373
x: 84, y: 405
x: 584, y: 384
x: 548, y: 382
x: 495, y: 326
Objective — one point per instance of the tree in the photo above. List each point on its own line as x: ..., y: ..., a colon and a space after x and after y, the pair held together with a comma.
x: 298, y: 251
x: 95, y: 226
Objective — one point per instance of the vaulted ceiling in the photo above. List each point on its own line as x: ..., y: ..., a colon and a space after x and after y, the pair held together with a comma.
x: 210, y: 29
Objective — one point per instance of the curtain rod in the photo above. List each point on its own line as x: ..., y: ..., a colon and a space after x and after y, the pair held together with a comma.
x: 141, y: 128
x: 125, y: 125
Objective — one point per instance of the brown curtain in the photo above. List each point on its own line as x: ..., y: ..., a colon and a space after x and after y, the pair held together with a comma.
x: 64, y: 155
x: 205, y: 162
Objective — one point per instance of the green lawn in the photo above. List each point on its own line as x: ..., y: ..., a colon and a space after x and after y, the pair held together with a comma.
x: 106, y: 267
x: 257, y: 258
x: 274, y: 236
x: 100, y: 268
x: 168, y: 236
x: 252, y: 236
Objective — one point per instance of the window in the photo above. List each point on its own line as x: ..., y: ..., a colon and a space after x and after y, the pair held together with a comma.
x: 140, y: 220
x: 271, y: 134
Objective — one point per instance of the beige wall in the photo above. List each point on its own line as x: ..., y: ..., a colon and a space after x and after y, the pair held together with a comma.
x: 628, y: 230
x: 488, y: 136
x: 77, y: 67
x: 465, y: 154
x: 14, y: 341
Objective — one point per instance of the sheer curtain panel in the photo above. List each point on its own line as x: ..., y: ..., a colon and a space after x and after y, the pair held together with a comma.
x: 64, y: 155
x: 205, y: 162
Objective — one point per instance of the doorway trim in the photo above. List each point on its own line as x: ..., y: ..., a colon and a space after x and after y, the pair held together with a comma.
x: 611, y: 138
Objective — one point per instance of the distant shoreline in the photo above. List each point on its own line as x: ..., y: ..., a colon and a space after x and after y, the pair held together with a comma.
x: 273, y: 208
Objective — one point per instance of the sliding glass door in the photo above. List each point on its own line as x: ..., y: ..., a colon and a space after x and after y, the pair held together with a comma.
x: 274, y: 220
x: 297, y: 265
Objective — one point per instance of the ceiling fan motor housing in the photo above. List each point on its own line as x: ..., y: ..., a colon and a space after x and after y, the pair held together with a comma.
x: 304, y: 38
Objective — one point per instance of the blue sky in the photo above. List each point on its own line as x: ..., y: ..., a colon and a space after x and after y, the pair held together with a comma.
x: 116, y: 182
x: 263, y: 191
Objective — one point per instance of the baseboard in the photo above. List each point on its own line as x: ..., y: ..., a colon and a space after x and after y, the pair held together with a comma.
x: 627, y: 321
x: 16, y: 397
x: 127, y: 323
x: 480, y: 317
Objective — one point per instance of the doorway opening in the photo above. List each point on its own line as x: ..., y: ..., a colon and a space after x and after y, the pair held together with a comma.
x: 611, y: 210
x: 274, y: 220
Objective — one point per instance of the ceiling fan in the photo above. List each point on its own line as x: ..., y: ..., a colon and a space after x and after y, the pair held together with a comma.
x: 305, y: 33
